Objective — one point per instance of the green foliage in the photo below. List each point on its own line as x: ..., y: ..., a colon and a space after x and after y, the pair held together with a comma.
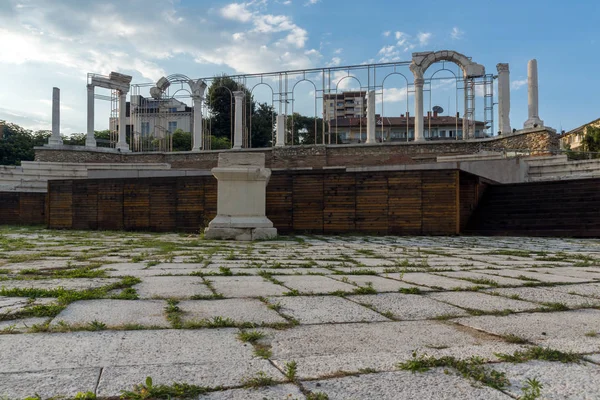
x: 96, y: 325
x: 259, y: 380
x: 219, y: 143
x: 17, y: 143
x: 303, y: 129
x: 532, y: 389
x: 148, y: 390
x: 591, y: 140
x: 251, y: 336
x: 291, y: 368
x: 182, y: 141
x: 540, y: 353
x: 85, y: 396
x: 473, y: 368
x: 367, y: 289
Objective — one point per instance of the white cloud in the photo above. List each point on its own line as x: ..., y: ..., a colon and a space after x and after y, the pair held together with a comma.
x: 335, y: 61
x: 424, y: 38
x: 456, y: 33
x: 338, y: 51
x: 516, y: 85
x: 65, y: 39
x: 311, y: 2
x: 387, y: 33
x: 236, y: 12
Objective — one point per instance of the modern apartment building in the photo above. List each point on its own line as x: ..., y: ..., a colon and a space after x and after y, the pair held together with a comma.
x: 344, y: 105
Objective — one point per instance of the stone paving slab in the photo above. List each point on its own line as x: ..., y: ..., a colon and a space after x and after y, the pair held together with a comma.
x: 225, y: 372
x: 484, y: 302
x: 580, y: 272
x: 565, y: 331
x: 378, y: 283
x: 322, y: 350
x: 433, y: 281
x: 115, y: 313
x: 325, y: 309
x: 239, y: 310
x: 559, y: 380
x: 245, y: 286
x: 547, y: 295
x: 433, y: 384
x: 50, y: 383
x: 178, y: 287
x: 69, y: 284
x: 38, y: 264
x: 144, y: 273
x: 282, y: 271
x: 277, y: 392
x: 548, y: 278
x: 595, y: 358
x: 500, y: 280
x: 587, y: 289
x: 309, y: 284
x: 9, y: 305
x: 408, y: 306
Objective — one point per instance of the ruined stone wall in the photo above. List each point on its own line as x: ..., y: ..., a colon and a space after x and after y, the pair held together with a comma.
x: 538, y: 141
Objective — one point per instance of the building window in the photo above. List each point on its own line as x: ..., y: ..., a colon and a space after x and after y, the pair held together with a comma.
x: 442, y: 134
x: 172, y: 126
x: 145, y: 128
x: 173, y: 109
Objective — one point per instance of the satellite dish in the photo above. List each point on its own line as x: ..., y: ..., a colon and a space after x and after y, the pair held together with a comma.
x: 438, y: 109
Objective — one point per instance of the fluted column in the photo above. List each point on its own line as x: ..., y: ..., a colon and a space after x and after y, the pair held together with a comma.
x: 504, y: 98
x: 198, y: 134
x: 122, y: 143
x: 419, y: 137
x: 371, y: 117
x: 55, y: 139
x: 238, y: 125
x: 90, y: 140
x: 532, y: 92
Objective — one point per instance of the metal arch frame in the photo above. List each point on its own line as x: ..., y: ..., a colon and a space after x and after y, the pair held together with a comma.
x: 360, y: 86
x: 383, y: 100
x: 294, y: 88
x: 456, y: 80
x: 272, y: 112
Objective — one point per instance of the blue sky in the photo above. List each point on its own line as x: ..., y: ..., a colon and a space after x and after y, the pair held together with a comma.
x: 46, y: 43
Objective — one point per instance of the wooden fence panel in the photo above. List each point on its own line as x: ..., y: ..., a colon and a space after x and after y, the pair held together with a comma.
x: 163, y: 204
x: 339, y: 212
x: 60, y: 204
x: 136, y: 205
x: 190, y: 203
x: 372, y: 203
x: 405, y: 206
x: 32, y: 208
x: 280, y: 208
x: 440, y: 202
x: 110, y: 204
x: 210, y: 201
x: 308, y: 203
x: 85, y: 204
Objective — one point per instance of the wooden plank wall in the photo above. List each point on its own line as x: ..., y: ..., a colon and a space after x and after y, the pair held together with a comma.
x: 22, y: 208
x: 317, y: 201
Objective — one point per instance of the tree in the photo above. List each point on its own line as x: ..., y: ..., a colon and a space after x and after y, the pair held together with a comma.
x: 303, y: 130
x: 182, y: 141
x: 17, y: 143
x: 591, y: 140
x: 263, y: 118
x: 221, y: 105
x: 76, y: 139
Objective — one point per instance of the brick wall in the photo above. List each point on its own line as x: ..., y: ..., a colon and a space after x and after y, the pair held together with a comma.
x: 540, y: 141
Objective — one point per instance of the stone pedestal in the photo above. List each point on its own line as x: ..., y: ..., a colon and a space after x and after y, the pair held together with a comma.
x: 241, y: 198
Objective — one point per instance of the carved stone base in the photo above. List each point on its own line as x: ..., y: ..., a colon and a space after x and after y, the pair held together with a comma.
x: 240, y: 234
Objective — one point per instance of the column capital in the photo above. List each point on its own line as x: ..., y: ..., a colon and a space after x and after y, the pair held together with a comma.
x: 197, y: 98
x: 419, y: 81
x: 502, y: 67
x: 239, y: 94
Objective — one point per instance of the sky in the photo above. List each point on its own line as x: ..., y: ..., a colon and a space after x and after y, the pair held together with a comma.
x: 55, y: 43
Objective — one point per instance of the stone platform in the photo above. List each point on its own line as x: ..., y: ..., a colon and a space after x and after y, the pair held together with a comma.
x: 298, y: 317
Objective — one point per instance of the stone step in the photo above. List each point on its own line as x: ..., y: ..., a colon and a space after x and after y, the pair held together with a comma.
x: 546, y: 160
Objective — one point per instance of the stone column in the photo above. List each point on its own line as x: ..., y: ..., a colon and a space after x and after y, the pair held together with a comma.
x: 504, y: 98
x: 239, y: 114
x: 122, y: 143
x: 280, y: 138
x: 419, y: 137
x: 55, y: 139
x: 90, y: 140
x: 197, y: 142
x: 371, y: 117
x: 532, y: 90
